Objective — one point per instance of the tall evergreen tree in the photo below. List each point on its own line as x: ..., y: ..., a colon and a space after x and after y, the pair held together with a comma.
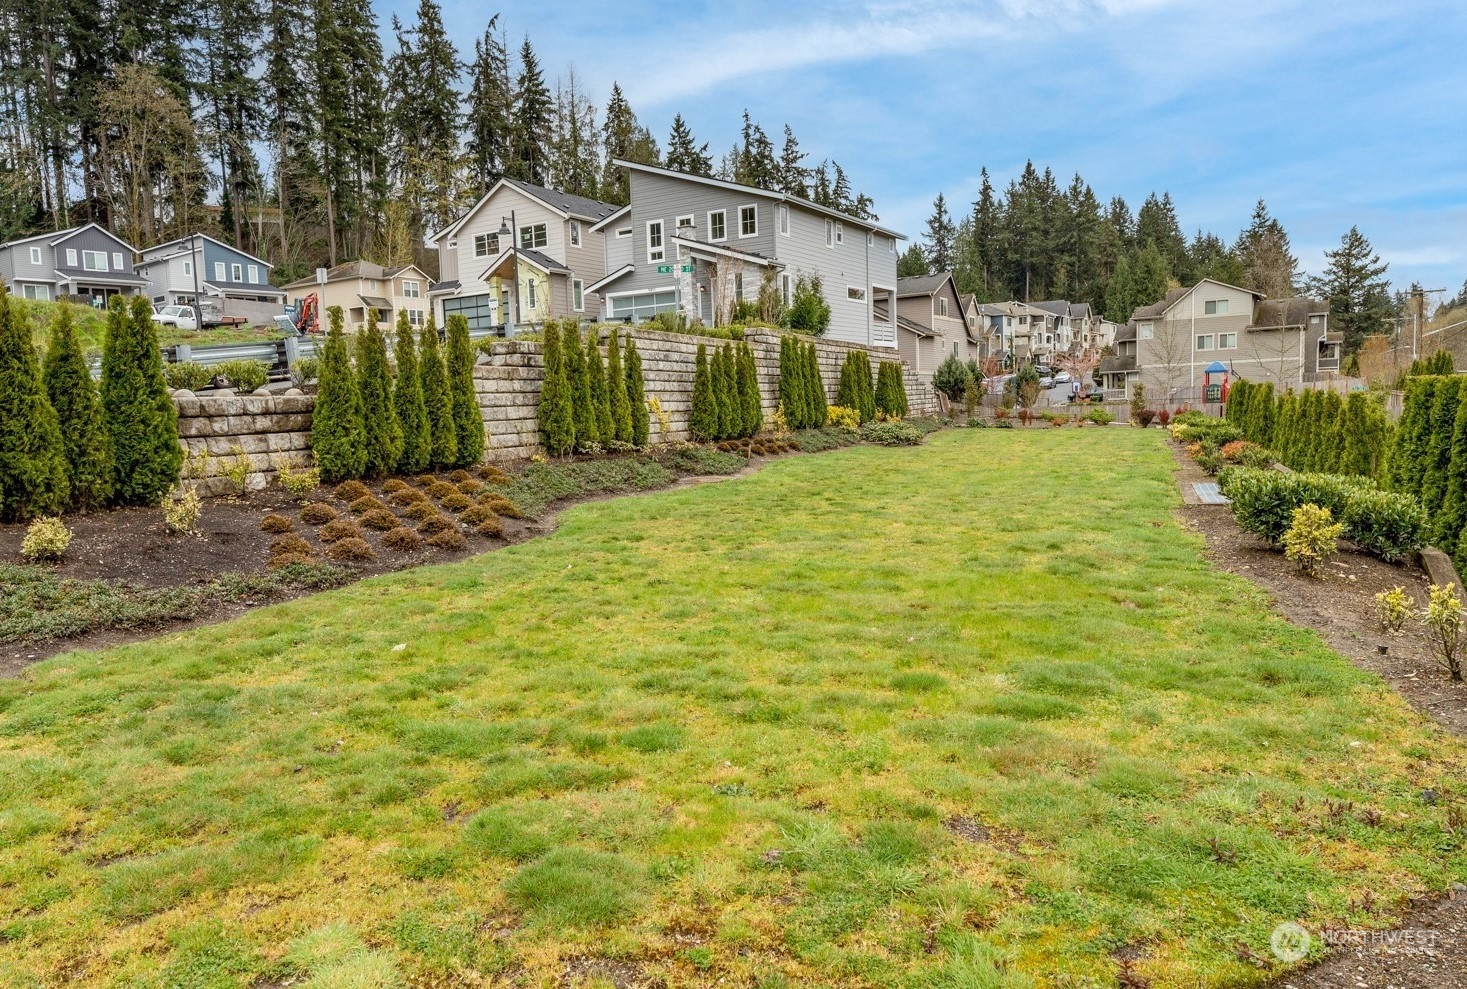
x: 940, y: 234
x: 468, y: 421
x: 1437, y: 451
x: 703, y: 415
x: 1356, y: 289
x: 621, y: 408
x: 579, y: 379
x: 33, y: 464
x: 1120, y: 293
x: 793, y: 174
x: 1151, y: 276
x: 78, y: 408
x: 490, y: 116
x: 437, y: 399
x: 684, y: 153
x: 382, y: 439
x: 756, y: 164
x: 1157, y: 225
x: 1449, y: 522
x: 1264, y: 256
x: 637, y: 396
x: 819, y: 406
x: 142, y: 421
x: 600, y: 393
x: 407, y: 401
x: 625, y: 139
x: 529, y: 151
x: 913, y: 262
x: 424, y: 76
x: 749, y: 387
x: 557, y: 406
x: 338, y: 435
x: 575, y: 165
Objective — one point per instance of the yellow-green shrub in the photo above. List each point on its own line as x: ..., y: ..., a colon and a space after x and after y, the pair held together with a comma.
x: 45, y: 539
x: 181, y: 510
x: 1311, y: 538
x: 843, y: 417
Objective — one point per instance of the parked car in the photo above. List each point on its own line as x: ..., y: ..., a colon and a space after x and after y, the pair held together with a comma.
x: 183, y: 317
x: 1063, y: 378
x: 1046, y: 381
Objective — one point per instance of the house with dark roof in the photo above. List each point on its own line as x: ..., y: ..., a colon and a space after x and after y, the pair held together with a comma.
x: 200, y: 268
x: 85, y: 262
x: 699, y: 246
x: 360, y: 286
x: 932, y: 323
x: 521, y: 255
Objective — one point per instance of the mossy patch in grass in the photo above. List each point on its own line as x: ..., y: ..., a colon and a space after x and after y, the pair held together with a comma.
x: 572, y: 887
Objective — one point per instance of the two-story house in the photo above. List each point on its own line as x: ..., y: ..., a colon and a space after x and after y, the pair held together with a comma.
x: 85, y: 262
x: 543, y: 242
x: 698, y: 245
x: 198, y: 268
x: 358, y: 286
x: 932, y: 323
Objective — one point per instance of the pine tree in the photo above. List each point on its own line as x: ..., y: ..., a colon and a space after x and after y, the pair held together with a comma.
x: 749, y: 387
x: 703, y: 414
x: 557, y: 407
x: 407, y: 402
x: 637, y: 397
x: 816, y: 384
x: 684, y: 153
x: 792, y: 172
x: 621, y: 409
x: 529, y: 158
x: 600, y: 394
x: 940, y: 234
x: 78, y: 408
x: 381, y: 432
x: 142, y: 422
x: 1438, y: 447
x: 468, y: 421
x: 1151, y: 276
x: 1449, y: 522
x: 490, y: 117
x: 1120, y: 293
x: 33, y: 464
x: 1264, y: 256
x: 437, y: 400
x: 1356, y: 289
x: 588, y: 438
x: 424, y: 80
x: 625, y: 139
x: 338, y: 435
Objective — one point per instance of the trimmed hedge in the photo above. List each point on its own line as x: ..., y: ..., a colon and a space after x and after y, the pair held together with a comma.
x: 1385, y: 524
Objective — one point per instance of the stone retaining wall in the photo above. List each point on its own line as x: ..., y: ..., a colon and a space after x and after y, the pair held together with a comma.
x: 266, y: 430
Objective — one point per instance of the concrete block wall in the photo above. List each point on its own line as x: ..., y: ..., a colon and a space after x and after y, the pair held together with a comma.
x: 266, y: 430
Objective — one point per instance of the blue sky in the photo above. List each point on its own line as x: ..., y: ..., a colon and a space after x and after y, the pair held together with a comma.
x: 1336, y: 113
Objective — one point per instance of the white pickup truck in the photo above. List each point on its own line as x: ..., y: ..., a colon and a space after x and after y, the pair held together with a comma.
x: 182, y: 317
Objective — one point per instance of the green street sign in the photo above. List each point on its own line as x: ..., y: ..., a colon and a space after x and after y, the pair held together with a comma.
x: 664, y: 269
x: 687, y: 269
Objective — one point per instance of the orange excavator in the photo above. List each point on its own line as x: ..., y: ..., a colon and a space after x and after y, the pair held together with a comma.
x: 305, y: 317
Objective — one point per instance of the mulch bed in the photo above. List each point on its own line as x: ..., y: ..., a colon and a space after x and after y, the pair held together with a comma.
x: 1341, y: 608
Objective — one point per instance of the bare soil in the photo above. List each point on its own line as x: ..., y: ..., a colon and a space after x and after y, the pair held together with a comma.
x: 1429, y: 950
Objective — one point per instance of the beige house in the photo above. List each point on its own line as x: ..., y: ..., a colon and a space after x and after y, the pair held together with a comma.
x: 1169, y: 345
x: 359, y: 286
x: 526, y: 237
x: 932, y: 323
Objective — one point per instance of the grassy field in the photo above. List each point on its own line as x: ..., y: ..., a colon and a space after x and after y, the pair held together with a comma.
x: 974, y: 714
x: 91, y: 328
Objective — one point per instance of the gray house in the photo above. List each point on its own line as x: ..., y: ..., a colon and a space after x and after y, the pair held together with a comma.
x: 199, y: 268
x: 85, y: 262
x: 699, y: 246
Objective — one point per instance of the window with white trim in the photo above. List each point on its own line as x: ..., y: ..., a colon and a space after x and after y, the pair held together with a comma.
x: 748, y: 221
x: 718, y: 225
x: 784, y: 220
x: 41, y: 293
x: 642, y: 306
x: 855, y: 294
x: 188, y: 267
x: 411, y: 289
x: 254, y: 270
x: 829, y: 233
x: 94, y: 260
x: 532, y: 236
x: 575, y: 233
x: 1204, y: 341
x: 219, y: 271
x: 578, y: 295
x: 236, y: 272
x: 486, y: 245
x: 1215, y: 307
x: 35, y: 255
x: 786, y: 291
x: 116, y: 260
x: 415, y: 317
x: 685, y: 225
x: 624, y: 232
x: 1227, y: 341
x: 840, y: 234
x: 71, y: 257
x: 655, y: 249
x: 1145, y: 330
x: 939, y: 306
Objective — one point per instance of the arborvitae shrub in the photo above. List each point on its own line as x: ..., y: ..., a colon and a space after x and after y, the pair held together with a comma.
x: 616, y: 392
x: 437, y: 401
x: 816, y: 384
x: 789, y: 384
x: 600, y: 394
x: 1413, y: 434
x: 730, y: 406
x: 142, y: 422
x: 73, y: 396
x: 407, y: 402
x: 1366, y: 435
x: 468, y: 421
x: 1331, y: 444
x: 338, y: 437
x: 381, y: 431
x: 1437, y: 448
x: 557, y: 415
x: 703, y: 416
x: 33, y: 467
x: 579, y: 379
x: 1237, y: 407
x: 1448, y: 523
x: 891, y: 390
x: 749, y: 390
x: 637, y: 396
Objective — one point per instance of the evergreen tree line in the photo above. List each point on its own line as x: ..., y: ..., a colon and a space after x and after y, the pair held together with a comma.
x: 1315, y: 430
x: 726, y: 403
x: 68, y: 444
x: 801, y: 389
x: 1429, y: 457
x: 588, y: 405
x: 316, y: 143
x: 369, y: 422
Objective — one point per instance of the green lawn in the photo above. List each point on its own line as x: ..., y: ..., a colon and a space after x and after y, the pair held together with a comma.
x: 724, y: 733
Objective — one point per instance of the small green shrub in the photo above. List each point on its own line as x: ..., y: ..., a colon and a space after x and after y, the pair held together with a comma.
x: 298, y: 482
x: 1311, y: 538
x: 244, y: 375
x: 1444, y: 626
x: 840, y: 417
x: 892, y: 433
x: 304, y: 371
x: 188, y: 376
x: 1393, y: 608
x: 951, y: 377
x: 181, y: 510
x: 45, y: 539
x: 1100, y: 417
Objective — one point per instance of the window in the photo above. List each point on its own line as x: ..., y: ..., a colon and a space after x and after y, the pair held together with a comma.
x: 829, y: 233
x: 748, y: 221
x: 371, y: 284
x: 1023, y: 320
x: 642, y: 306
x: 578, y: 295
x: 40, y: 292
x: 116, y: 261
x: 685, y: 225
x: 940, y: 307
x: 486, y: 245
x: 655, y: 250
x: 188, y: 267
x: 453, y: 243
x: 1144, y: 330
x: 955, y: 348
x: 254, y: 274
x: 718, y: 225
x: 1204, y: 341
x: 71, y: 257
x: 784, y: 220
x: 840, y: 234
x: 624, y: 232
x: 236, y: 272
x: 411, y: 289
x: 575, y: 233
x: 1215, y: 307
x: 219, y: 271
x: 415, y: 316
x: 739, y: 285
x: 35, y: 255
x: 785, y: 290
x: 94, y: 260
x: 530, y: 293
x: 477, y: 310
x: 532, y: 237
x: 891, y: 245
x: 856, y: 294
x: 1227, y: 341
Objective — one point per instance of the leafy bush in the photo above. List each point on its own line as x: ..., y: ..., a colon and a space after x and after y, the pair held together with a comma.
x: 1219, y: 432
x: 1392, y: 608
x: 298, y: 482
x: 181, y: 510
x: 1100, y: 417
x: 892, y: 433
x: 188, y: 375
x: 1444, y: 627
x: 1385, y: 524
x: 1144, y: 418
x: 843, y: 418
x: 1311, y: 538
x: 808, y: 311
x: 306, y: 369
x: 244, y: 375
x: 45, y: 539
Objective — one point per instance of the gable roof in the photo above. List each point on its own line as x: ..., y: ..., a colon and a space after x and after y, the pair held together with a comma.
x: 779, y: 197
x: 350, y: 270
x: 184, y: 245
x: 924, y: 284
x: 564, y: 204
x: 620, y: 211
x: 1278, y: 313
x: 1178, y: 294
